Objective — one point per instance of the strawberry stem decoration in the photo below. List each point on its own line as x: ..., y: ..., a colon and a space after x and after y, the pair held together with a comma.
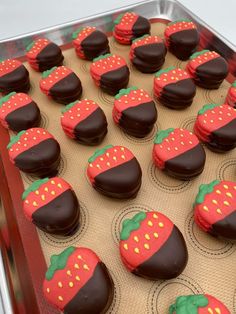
x: 231, y: 96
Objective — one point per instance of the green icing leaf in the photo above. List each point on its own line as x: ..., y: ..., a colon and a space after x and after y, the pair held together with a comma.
x: 58, y: 262
x: 234, y: 84
x: 76, y: 33
x: 46, y: 73
x: 102, y: 57
x: 198, y: 53
x: 136, y: 39
x: 125, y: 91
x: 207, y: 107
x: 188, y: 304
x: 15, y: 139
x: 6, y: 98
x: 67, y: 107
x: 161, y: 135
x: 205, y: 189
x: 31, y: 45
x: 157, y: 74
x: 131, y: 224
x: 99, y: 152
x: 33, y: 187
x: 178, y: 21
x: 118, y: 19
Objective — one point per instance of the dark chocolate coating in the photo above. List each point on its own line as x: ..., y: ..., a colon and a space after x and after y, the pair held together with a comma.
x: 178, y: 95
x: 184, y: 43
x: 67, y: 89
x: 149, y: 58
x: 24, y: 118
x: 95, y: 44
x: 223, y: 139
x: 112, y: 81
x: 138, y: 121
x: 211, y: 74
x: 96, y: 296
x: 15, y: 81
x: 60, y: 216
x: 123, y: 181
x: 225, y: 228
x: 49, y: 57
x: 93, y: 129
x: 168, y: 262
x: 187, y: 165
x: 141, y: 27
x: 42, y: 159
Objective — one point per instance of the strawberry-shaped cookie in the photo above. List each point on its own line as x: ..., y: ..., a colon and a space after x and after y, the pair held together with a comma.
x: 129, y: 26
x: 42, y: 55
x: 110, y: 72
x: 147, y: 53
x: 147, y: 243
x: 182, y: 38
x: 61, y: 84
x: 216, y: 127
x: 179, y: 153
x: 207, y: 68
x: 51, y: 204
x: 19, y: 112
x: 89, y: 42
x: 77, y: 281
x: 174, y: 88
x: 14, y: 77
x: 231, y: 96
x: 198, y: 304
x: 84, y: 121
x: 215, y: 208
x: 114, y: 171
x: 35, y: 151
x: 134, y: 111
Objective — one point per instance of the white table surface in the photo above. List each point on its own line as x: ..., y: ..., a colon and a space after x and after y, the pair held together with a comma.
x: 22, y: 16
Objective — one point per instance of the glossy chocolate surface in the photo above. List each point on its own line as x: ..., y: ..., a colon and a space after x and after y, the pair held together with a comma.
x: 49, y: 57
x: 141, y: 27
x: 112, y: 81
x: 95, y: 44
x: 226, y: 227
x: 15, y: 81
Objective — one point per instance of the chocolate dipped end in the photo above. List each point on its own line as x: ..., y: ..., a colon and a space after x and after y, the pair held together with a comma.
x: 141, y: 27
x: 49, y: 57
x: 225, y: 228
x: 112, y: 81
x: 17, y: 81
x: 95, y: 44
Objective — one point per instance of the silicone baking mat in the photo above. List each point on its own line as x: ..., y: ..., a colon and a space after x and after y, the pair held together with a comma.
x: 211, y: 266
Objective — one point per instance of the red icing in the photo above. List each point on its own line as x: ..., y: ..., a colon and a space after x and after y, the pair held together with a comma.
x: 212, y: 120
x: 30, y: 138
x: 123, y: 40
x: 216, y: 205
x: 8, y: 66
x: 38, y: 46
x: 144, y: 41
x: 66, y: 283
x: 126, y: 23
x: 214, y: 307
x: 178, y: 142
x: 200, y: 60
x: 178, y: 27
x: 231, y: 97
x: 84, y: 33
x: 79, y: 112
x: 46, y: 193
x: 152, y: 234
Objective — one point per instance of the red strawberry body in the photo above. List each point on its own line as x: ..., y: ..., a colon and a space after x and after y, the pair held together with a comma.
x: 179, y: 153
x: 78, y: 282
x: 231, y: 96
x: 147, y: 243
x: 115, y: 172
x: 215, y: 208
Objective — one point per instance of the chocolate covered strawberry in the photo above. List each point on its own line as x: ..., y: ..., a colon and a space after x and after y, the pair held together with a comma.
x: 134, y: 111
x: 114, y: 171
x: 35, y: 151
x: 110, y: 72
x: 14, y: 77
x: 77, y: 281
x: 51, y: 204
x: 61, y: 84
x: 42, y: 54
x: 19, y: 112
x: 207, y: 68
x: 216, y: 126
x: 129, y: 26
x: 89, y: 42
x: 179, y: 153
x: 174, y: 88
x: 84, y: 121
x: 198, y: 304
x: 182, y: 38
x: 231, y: 96
x: 215, y: 208
x: 147, y: 241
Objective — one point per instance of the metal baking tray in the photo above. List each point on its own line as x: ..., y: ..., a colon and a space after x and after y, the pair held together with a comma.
x: 21, y: 258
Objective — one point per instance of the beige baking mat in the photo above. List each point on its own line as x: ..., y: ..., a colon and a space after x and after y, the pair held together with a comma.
x: 212, y: 263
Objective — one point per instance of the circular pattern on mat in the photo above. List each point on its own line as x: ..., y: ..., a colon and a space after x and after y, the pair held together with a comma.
x: 144, y: 140
x: 188, y: 123
x: 124, y: 213
x: 216, y: 95
x: 85, y: 66
x: 117, y: 295
x: 227, y: 170
x: 165, y: 183
x: 105, y: 98
x: 160, y: 293
x: 234, y: 301
x: 115, y: 45
x: 60, y: 241
x: 44, y: 120
x: 206, y: 244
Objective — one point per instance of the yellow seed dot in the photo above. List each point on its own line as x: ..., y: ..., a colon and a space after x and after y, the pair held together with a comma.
x: 126, y: 246
x: 59, y: 185
x: 77, y: 278
x: 161, y: 225
x: 225, y: 186
x: 43, y: 197
x: 53, y: 192
x: 155, y: 235
x: 136, y: 239
x: 26, y: 202
x: 79, y: 257
x: 210, y: 310
x: 150, y: 223
x: 76, y: 266
x: 147, y: 247
x: 155, y: 216
x: 60, y: 284
x: 37, y: 192
x: 48, y: 290
x: 218, y: 191
x: 205, y: 208
x: 85, y: 266
x: 71, y: 284
x: 136, y: 250
x: 219, y: 211
x: 68, y: 272
x: 46, y: 189
x: 35, y: 204
x: 147, y: 236
x: 229, y: 194
x: 53, y: 182
x: 214, y: 202
x: 218, y: 311
x: 226, y: 203
x: 60, y: 298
